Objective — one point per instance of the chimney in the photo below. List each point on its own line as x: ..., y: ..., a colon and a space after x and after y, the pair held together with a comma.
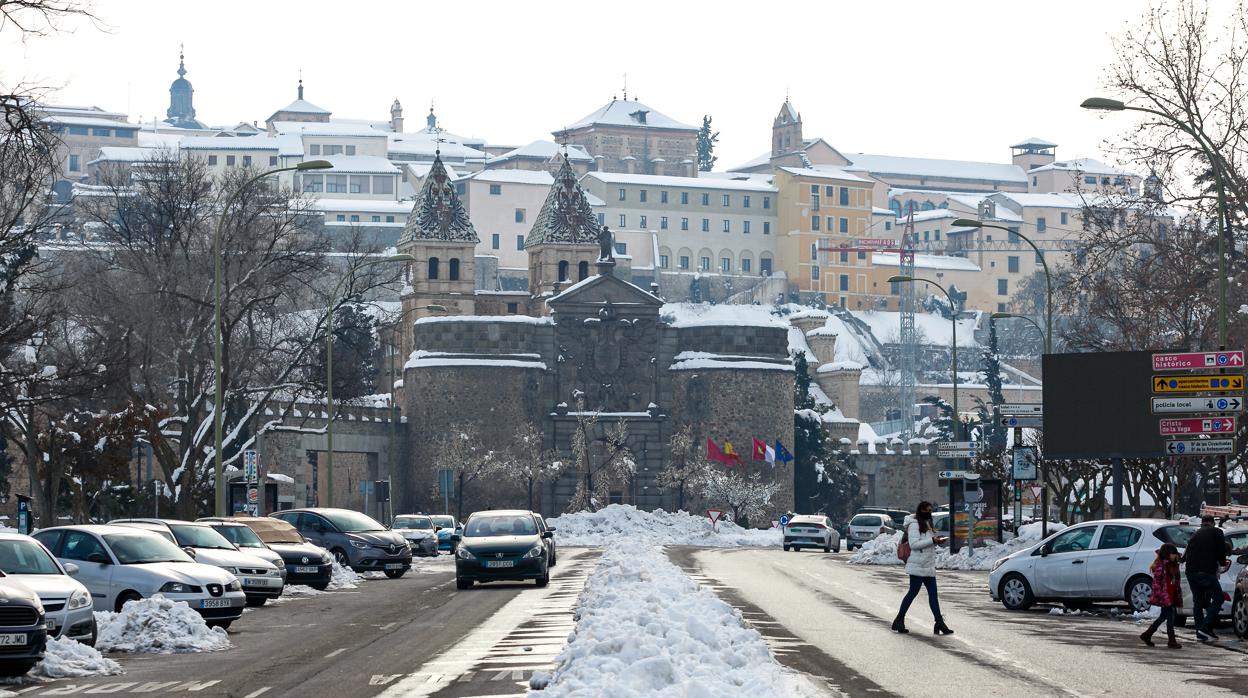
x: 396, y: 117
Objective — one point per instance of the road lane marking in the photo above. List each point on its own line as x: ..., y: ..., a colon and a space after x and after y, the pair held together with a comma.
x: 336, y: 652
x: 258, y: 692
x: 389, y: 625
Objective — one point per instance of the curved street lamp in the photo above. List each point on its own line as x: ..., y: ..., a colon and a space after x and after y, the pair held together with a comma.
x: 953, y: 307
x: 218, y: 371
x: 1004, y: 316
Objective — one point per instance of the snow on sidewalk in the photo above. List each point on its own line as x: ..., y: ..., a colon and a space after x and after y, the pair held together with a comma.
x: 66, y: 659
x: 645, y: 629
x: 157, y: 625
x: 626, y: 522
x: 883, y: 550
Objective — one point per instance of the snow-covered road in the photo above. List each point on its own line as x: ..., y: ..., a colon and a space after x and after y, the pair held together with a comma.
x: 830, y: 619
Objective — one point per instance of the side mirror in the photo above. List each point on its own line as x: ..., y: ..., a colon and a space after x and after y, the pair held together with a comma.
x: 70, y: 568
x: 189, y: 551
x: 98, y: 558
x: 548, y: 534
x: 1045, y: 550
x: 437, y: 528
x: 455, y: 538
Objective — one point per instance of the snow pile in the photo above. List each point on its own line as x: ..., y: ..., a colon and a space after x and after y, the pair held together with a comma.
x: 342, y: 577
x: 70, y: 659
x: 645, y: 629
x: 626, y: 522
x: 157, y: 626
x: 883, y: 550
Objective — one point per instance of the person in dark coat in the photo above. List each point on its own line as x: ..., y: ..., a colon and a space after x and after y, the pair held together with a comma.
x: 1205, y: 558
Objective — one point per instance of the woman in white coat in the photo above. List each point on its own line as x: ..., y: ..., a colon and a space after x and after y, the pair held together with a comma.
x: 921, y: 566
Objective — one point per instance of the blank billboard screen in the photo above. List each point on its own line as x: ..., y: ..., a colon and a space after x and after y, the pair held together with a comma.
x: 1099, y: 406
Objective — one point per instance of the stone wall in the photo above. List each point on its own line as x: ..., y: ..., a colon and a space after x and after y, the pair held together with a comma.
x: 900, y: 481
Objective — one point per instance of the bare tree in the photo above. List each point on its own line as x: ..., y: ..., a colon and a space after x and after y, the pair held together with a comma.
x: 748, y: 496
x: 684, y: 465
x: 41, y: 17
x: 529, y: 462
x: 598, y: 474
x: 461, y: 451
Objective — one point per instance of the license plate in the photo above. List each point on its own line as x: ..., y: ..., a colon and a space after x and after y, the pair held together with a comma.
x: 394, y: 565
x: 215, y: 603
x: 305, y: 570
x: 10, y: 639
x: 500, y: 563
x: 257, y: 582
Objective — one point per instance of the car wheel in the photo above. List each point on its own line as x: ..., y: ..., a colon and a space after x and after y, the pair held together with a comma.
x: 15, y: 668
x: 395, y: 574
x: 544, y: 580
x: 827, y: 548
x: 463, y: 583
x: 1239, y: 615
x: 320, y: 586
x: 837, y: 549
x: 1016, y: 593
x: 223, y: 624
x: 1139, y: 589
x: 341, y: 557
x: 126, y: 597
x: 256, y: 601
x: 786, y: 548
x: 553, y: 560
x: 849, y: 547
x: 95, y: 631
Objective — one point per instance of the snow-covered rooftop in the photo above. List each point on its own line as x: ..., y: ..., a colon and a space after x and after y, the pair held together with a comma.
x: 824, y: 172
x: 118, y: 153
x: 1086, y: 165
x: 930, y: 167
x: 925, y: 261
x: 229, y: 143
x: 303, y: 106
x: 360, y: 205
x: 539, y: 177
x: 686, y: 182
x: 1049, y: 200
x: 704, y: 314
x: 370, y: 164
x: 87, y: 121
x: 545, y: 150
x: 629, y: 113
x: 331, y: 128
x: 1035, y: 142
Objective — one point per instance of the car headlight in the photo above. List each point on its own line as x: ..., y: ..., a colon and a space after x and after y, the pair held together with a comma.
x: 280, y: 563
x: 326, y: 559
x: 359, y: 544
x: 465, y: 554
x: 79, y: 599
x: 997, y: 564
x: 234, y: 586
x: 537, y: 551
x: 179, y: 588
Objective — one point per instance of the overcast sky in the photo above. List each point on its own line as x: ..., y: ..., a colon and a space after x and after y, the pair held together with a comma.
x: 926, y: 79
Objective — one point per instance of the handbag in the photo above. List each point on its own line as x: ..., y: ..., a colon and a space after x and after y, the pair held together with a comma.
x: 903, y: 548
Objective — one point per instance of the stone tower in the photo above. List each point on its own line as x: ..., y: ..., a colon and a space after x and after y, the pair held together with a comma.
x: 786, y: 130
x: 396, y: 117
x: 181, y: 112
x: 442, y: 239
x: 563, y: 243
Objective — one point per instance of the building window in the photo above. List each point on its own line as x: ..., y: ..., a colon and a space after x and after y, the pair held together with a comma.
x: 1035, y: 181
x: 383, y: 185
x: 452, y: 269
x: 814, y: 273
x: 1000, y: 307
x: 1011, y: 264
x: 272, y: 161
x: 844, y: 258
x: 101, y: 132
x: 519, y: 215
x: 814, y: 201
x: 894, y: 287
x: 376, y: 219
x: 830, y: 224
x: 663, y: 196
x: 662, y: 261
x: 684, y: 262
x: 704, y: 263
x: 513, y: 308
x: 563, y: 270
x: 1003, y: 287
x: 1065, y: 218
x: 582, y: 271
x: 212, y: 160
x: 1041, y: 225
x: 641, y: 196
x: 621, y: 248
x: 73, y: 163
x: 341, y: 218
x: 745, y: 227
x: 844, y: 224
x: 814, y: 222
x: 433, y: 267
x: 1090, y: 180
x: 684, y: 198
x: 641, y: 222
x: 684, y: 223
x: 706, y: 199
x: 727, y: 226
x: 766, y: 227
x: 78, y: 130
x: 496, y: 189
x: 602, y: 218
x: 745, y: 201
x: 495, y: 241
x: 745, y: 266
x: 844, y: 196
x: 663, y: 223
x: 766, y: 202
x: 246, y: 161
x: 862, y: 255
x: 359, y: 184
x: 314, y: 149
x: 313, y: 183
x: 926, y: 233
x: 623, y: 195
x: 231, y: 160
x: 727, y: 200
x: 937, y: 236
x: 623, y: 218
x: 725, y: 264
x: 355, y: 218
x: 844, y: 282
x: 1039, y: 258
x: 814, y: 252
x: 389, y: 219
x: 520, y: 242
x: 333, y: 183
x: 706, y: 225
x: 888, y: 225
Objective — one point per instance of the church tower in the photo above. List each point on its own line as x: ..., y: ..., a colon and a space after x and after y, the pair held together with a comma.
x: 396, y: 117
x: 442, y: 239
x: 181, y: 112
x: 563, y: 243
x: 786, y: 130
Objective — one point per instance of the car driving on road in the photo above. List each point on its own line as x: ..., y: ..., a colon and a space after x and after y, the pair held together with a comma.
x: 355, y: 540
x: 503, y: 545
x: 419, y: 531
x: 447, y: 527
x: 811, y: 531
x: 118, y: 564
x: 306, y: 563
x: 551, y: 547
x: 66, y: 602
x: 23, y: 628
x: 865, y: 527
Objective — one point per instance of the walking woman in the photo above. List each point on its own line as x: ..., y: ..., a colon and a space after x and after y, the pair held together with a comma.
x: 1167, y: 593
x: 921, y: 566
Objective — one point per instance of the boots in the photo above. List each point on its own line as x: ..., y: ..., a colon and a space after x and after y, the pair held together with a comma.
x: 1147, y: 637
x: 899, y: 625
x: 1172, y: 644
x: 941, y: 628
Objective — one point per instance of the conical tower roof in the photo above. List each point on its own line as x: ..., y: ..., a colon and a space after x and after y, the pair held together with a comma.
x: 566, y: 218
x: 438, y: 213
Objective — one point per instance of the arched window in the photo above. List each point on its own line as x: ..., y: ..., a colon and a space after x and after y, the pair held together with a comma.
x: 433, y: 267
x: 563, y: 270
x: 453, y: 270
x: 582, y: 271
x: 928, y: 206
x: 895, y: 205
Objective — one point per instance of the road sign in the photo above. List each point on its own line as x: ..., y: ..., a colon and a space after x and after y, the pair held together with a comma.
x: 957, y: 449
x: 250, y: 459
x: 253, y: 495
x: 1036, y: 490
x: 1200, y: 359
x: 1201, y: 447
x: 1198, y: 384
x: 1197, y: 425
x: 1021, y: 409
x: 714, y: 515
x: 957, y: 475
x: 784, y: 519
x: 1013, y: 422
x: 1163, y: 405
x: 1024, y: 464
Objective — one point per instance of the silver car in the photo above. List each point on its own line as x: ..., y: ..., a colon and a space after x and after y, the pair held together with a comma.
x: 421, y: 534
x: 66, y: 602
x: 811, y: 531
x: 118, y: 564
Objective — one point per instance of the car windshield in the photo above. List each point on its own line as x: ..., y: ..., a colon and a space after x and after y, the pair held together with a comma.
x: 25, y: 557
x: 353, y: 522
x: 420, y: 522
x: 1178, y: 535
x: 487, y: 526
x: 275, y: 531
x: 865, y: 520
x: 200, y: 537
x: 443, y: 521
x: 240, y: 536
x: 133, y: 549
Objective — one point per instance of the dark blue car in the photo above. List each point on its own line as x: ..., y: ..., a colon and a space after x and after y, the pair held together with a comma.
x: 447, y: 526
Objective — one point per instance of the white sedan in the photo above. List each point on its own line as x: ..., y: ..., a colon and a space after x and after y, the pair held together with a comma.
x: 811, y: 532
x: 1089, y: 562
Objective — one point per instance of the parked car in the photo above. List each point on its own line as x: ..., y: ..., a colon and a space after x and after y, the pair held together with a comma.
x: 306, y: 563
x: 67, y: 604
x: 421, y: 534
x: 23, y: 628
x: 551, y: 548
x: 118, y: 564
x: 242, y: 537
x: 811, y: 531
x: 501, y: 546
x: 1239, y: 607
x: 261, y: 579
x: 355, y: 540
x: 447, y: 527
x: 897, y: 515
x: 1095, y: 561
x: 865, y: 527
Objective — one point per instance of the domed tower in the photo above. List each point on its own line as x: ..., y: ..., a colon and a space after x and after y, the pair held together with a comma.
x: 181, y: 112
x: 563, y: 244
x: 443, y: 240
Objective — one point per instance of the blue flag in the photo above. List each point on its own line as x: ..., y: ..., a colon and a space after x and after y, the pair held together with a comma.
x: 782, y: 453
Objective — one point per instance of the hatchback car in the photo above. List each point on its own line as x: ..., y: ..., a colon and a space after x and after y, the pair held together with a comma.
x: 865, y: 527
x: 1239, y: 607
x: 66, y: 602
x: 551, y: 547
x: 419, y: 531
x: 1095, y: 561
x: 23, y: 628
x: 814, y: 531
x: 447, y: 527
x: 261, y: 579
x: 306, y: 563
x: 501, y: 546
x: 118, y: 564
x: 355, y: 540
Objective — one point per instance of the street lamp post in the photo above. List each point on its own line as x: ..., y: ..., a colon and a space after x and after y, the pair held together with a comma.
x: 219, y: 371
x: 329, y: 368
x: 1033, y: 323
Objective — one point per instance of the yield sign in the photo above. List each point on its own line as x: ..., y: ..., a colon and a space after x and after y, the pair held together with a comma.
x: 1035, y: 491
x: 714, y: 515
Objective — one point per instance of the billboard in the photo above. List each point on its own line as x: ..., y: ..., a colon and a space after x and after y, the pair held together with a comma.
x: 1098, y: 405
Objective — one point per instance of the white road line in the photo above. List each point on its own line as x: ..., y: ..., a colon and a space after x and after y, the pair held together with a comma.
x: 336, y: 652
x: 258, y: 692
x: 389, y: 625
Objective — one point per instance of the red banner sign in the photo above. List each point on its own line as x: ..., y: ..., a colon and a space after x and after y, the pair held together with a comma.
x: 1199, y: 359
x: 1198, y: 425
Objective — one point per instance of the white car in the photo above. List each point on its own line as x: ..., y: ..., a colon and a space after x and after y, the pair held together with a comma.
x: 66, y: 602
x: 118, y: 564
x: 1095, y: 561
x: 811, y: 532
x: 865, y: 527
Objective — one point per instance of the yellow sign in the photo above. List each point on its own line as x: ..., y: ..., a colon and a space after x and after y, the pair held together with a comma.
x: 1222, y: 383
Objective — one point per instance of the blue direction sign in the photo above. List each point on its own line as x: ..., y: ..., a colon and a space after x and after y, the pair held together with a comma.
x: 1201, y: 447
x: 784, y: 519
